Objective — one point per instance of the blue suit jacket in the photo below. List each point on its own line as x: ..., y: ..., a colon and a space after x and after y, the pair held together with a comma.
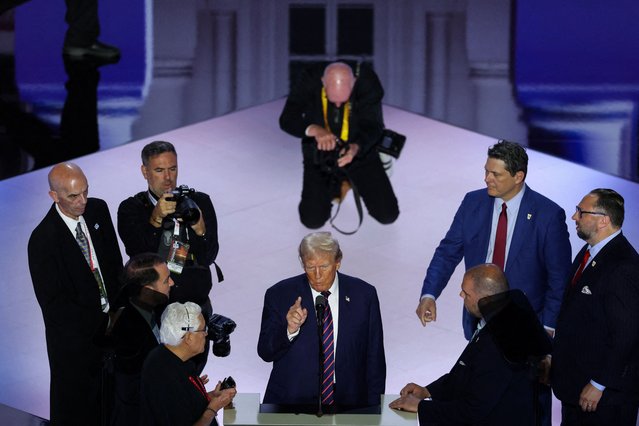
x: 360, y: 365
x: 539, y: 257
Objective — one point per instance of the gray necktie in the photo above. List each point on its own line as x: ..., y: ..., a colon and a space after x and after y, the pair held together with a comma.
x: 83, y: 242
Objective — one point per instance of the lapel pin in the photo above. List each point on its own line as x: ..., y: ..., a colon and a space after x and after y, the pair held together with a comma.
x: 593, y: 264
x: 348, y: 299
x: 528, y: 216
x: 96, y: 226
x: 586, y: 290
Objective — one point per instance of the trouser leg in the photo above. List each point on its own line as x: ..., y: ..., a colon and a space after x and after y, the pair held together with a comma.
x: 317, y: 193
x: 83, y: 21
x: 375, y: 188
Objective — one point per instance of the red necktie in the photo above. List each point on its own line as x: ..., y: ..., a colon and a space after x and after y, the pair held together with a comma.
x: 582, y: 265
x: 328, y: 376
x: 499, y: 252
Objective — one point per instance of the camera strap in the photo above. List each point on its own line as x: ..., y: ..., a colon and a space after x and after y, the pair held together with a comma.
x: 347, y: 111
x: 358, y: 205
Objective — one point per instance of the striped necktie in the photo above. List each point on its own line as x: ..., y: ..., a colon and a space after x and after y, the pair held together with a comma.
x: 328, y: 375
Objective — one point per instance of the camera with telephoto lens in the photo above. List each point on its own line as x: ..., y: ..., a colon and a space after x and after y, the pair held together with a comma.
x: 220, y: 328
x: 327, y: 160
x: 185, y: 208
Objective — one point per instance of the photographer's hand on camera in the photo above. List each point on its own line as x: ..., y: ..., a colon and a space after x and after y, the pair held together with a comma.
x: 162, y: 209
x: 348, y: 154
x: 326, y: 141
x: 220, y: 398
x: 199, y: 227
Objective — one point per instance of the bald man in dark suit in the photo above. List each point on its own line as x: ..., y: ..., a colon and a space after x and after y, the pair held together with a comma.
x: 485, y: 387
x: 75, y: 288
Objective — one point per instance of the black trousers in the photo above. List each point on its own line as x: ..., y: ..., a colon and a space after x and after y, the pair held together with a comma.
x: 82, y: 19
x: 606, y: 415
x: 367, y: 174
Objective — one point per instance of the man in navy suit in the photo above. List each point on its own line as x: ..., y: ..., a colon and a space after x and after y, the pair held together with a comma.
x: 289, y: 338
x: 595, y: 363
x: 76, y: 288
x: 538, y: 251
x: 483, y: 387
x: 537, y: 247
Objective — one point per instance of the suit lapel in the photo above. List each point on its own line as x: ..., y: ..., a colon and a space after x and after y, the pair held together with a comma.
x: 66, y: 240
x: 523, y: 226
x: 485, y: 211
x: 344, y: 322
x: 598, y: 263
x: 590, y: 276
x: 93, y: 225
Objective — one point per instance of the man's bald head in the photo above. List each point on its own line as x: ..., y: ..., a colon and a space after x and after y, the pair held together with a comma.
x: 488, y: 278
x: 481, y: 281
x: 62, y: 172
x: 69, y: 189
x: 338, y: 80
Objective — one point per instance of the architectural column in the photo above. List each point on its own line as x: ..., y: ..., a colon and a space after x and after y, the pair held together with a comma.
x: 496, y: 112
x: 224, y: 62
x: 172, y: 66
x: 488, y: 42
x: 599, y: 133
x: 437, y: 57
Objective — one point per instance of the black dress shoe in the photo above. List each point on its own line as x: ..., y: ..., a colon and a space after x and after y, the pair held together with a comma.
x: 98, y: 51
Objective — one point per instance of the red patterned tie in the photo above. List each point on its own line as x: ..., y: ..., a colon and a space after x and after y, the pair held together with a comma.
x: 328, y: 376
x: 582, y: 265
x: 499, y: 252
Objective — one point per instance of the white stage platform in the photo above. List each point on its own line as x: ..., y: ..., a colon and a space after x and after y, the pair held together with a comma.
x: 253, y: 172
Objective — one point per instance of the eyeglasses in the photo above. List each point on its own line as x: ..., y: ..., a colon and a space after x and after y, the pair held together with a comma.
x: 189, y: 327
x: 204, y: 330
x: 583, y: 212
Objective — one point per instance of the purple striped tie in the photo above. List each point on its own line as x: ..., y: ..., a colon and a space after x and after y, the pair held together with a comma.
x: 328, y: 375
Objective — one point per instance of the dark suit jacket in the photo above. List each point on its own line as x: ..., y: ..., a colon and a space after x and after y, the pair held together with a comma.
x: 168, y: 396
x: 481, y: 389
x: 304, y: 107
x: 597, y: 336
x: 70, y: 301
x: 133, y: 340
x: 538, y: 260
x: 360, y: 365
x: 139, y: 236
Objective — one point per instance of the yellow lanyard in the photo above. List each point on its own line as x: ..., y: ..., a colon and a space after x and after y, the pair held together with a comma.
x: 347, y: 110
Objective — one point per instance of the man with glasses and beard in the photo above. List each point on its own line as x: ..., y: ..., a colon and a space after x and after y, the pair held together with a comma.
x: 595, y: 361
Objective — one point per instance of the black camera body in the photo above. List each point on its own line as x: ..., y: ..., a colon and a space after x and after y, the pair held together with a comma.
x: 327, y: 160
x: 227, y: 383
x: 391, y: 143
x: 185, y: 207
x: 220, y: 329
